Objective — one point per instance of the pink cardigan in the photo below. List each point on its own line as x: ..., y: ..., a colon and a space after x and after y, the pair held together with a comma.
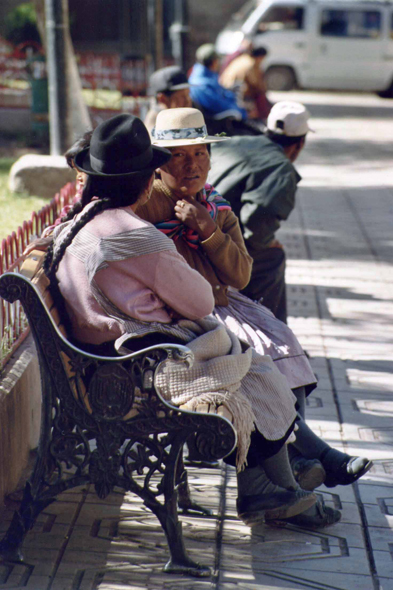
x: 144, y: 286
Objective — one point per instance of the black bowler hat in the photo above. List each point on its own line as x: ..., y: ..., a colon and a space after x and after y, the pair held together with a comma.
x: 121, y: 146
x: 168, y: 79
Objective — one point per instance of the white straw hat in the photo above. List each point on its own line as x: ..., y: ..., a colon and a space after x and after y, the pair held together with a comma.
x: 186, y: 126
x: 289, y: 118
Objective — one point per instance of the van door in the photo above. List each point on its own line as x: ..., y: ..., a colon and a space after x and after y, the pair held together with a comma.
x: 281, y: 29
x: 347, y: 48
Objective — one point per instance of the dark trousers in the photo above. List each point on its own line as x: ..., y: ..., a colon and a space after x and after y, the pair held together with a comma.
x: 260, y: 448
x: 268, y: 282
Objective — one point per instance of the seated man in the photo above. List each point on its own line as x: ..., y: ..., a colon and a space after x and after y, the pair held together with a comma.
x: 206, y: 91
x: 256, y: 175
x: 245, y: 74
x: 171, y: 90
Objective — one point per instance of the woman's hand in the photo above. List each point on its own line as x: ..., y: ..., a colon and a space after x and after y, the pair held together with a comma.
x: 195, y: 216
x: 38, y: 244
x: 174, y: 315
x: 275, y: 244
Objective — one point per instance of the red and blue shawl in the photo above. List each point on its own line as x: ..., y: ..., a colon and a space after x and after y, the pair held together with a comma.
x: 175, y: 229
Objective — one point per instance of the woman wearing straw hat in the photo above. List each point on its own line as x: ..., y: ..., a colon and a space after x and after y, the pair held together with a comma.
x: 207, y: 234
x: 120, y: 277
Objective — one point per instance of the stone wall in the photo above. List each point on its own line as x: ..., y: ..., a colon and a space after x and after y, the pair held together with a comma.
x: 20, y: 415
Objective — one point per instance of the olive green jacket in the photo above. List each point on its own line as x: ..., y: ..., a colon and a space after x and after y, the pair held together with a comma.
x: 260, y: 182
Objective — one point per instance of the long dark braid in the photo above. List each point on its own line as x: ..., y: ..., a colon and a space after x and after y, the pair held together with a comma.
x: 122, y: 193
x: 53, y: 259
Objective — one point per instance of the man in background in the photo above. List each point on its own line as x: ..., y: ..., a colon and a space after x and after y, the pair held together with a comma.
x: 244, y: 76
x: 256, y: 175
x: 206, y: 92
x: 171, y: 90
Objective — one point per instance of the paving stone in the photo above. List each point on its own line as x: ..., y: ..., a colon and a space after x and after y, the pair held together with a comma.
x: 385, y: 583
x: 372, y: 494
x: 33, y: 583
x: 376, y: 516
x: 384, y: 562
x: 274, y: 579
x: 381, y: 539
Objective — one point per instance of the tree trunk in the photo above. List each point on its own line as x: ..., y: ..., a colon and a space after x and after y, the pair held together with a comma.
x: 77, y: 114
x: 159, y: 35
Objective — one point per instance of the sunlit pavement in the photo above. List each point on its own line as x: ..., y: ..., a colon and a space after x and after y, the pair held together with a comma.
x: 339, y: 242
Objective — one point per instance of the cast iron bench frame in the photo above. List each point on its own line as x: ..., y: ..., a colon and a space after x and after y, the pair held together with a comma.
x: 85, y: 398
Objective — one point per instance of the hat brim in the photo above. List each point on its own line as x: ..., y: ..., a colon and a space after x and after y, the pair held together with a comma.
x: 154, y: 91
x: 160, y: 157
x: 167, y: 143
x: 179, y: 87
x: 282, y: 134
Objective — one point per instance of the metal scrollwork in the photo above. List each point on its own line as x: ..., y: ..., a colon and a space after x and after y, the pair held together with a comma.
x: 103, y: 470
x: 111, y: 392
x: 103, y: 422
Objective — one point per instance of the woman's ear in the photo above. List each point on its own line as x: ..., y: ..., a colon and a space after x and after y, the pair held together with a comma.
x: 149, y: 187
x: 146, y: 194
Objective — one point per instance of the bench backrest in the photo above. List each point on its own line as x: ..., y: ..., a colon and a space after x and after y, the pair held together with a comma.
x: 32, y: 269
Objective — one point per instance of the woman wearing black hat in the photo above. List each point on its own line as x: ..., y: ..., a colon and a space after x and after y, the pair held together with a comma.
x: 120, y: 277
x: 119, y: 164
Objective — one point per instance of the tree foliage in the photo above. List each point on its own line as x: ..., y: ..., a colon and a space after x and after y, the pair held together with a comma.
x: 21, y: 24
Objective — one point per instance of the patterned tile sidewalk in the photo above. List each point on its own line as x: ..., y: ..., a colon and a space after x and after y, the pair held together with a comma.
x: 340, y: 285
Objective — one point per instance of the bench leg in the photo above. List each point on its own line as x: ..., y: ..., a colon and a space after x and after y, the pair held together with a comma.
x: 179, y: 562
x: 166, y: 513
x: 10, y: 545
x: 22, y: 521
x: 185, y: 502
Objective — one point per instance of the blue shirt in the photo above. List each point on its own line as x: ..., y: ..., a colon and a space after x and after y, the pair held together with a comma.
x: 207, y: 92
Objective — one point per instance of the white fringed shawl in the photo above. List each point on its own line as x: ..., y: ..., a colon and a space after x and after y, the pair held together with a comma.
x: 221, y: 362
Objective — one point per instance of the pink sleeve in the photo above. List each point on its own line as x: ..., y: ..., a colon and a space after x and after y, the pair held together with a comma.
x: 182, y: 288
x: 146, y: 285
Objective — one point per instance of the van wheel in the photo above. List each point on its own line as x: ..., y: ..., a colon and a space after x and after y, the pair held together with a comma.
x: 388, y: 93
x: 280, y: 78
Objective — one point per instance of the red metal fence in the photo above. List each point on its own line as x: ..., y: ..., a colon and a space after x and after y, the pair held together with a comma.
x: 13, y: 322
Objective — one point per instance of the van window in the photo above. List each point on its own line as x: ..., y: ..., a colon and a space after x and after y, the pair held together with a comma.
x: 282, y: 18
x: 364, y: 24
x: 245, y: 11
x: 240, y: 17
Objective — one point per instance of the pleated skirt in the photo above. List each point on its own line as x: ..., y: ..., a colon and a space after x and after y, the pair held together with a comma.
x: 257, y: 325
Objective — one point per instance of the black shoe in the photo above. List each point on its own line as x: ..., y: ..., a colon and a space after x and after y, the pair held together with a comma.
x: 350, y: 470
x: 280, y: 504
x: 309, y: 473
x: 317, y: 516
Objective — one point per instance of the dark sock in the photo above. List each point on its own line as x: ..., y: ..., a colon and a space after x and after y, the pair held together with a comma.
x: 300, y: 394
x: 293, y: 452
x: 308, y: 443
x: 278, y: 469
x: 333, y: 458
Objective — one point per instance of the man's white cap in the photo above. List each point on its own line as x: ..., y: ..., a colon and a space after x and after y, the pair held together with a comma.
x: 289, y: 118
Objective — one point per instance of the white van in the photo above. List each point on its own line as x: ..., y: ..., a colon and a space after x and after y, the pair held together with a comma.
x: 326, y: 44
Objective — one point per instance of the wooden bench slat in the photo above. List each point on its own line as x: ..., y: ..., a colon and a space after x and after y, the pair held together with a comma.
x: 32, y: 263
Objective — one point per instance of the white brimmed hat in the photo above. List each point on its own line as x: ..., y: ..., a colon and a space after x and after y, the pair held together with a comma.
x: 186, y: 126
x: 288, y: 118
